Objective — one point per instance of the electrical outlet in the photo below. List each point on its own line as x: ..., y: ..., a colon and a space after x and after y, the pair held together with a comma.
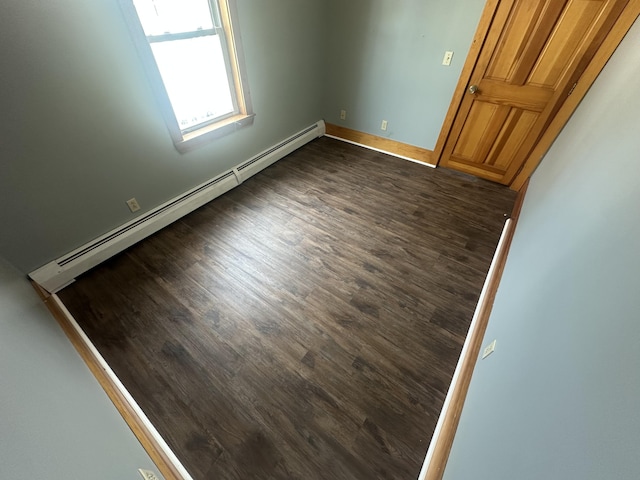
x: 148, y: 474
x: 447, y: 58
x: 488, y: 350
x: 384, y: 125
x: 133, y: 205
x: 343, y: 114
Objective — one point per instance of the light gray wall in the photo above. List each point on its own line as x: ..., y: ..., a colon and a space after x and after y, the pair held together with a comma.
x: 559, y: 398
x: 385, y: 62
x: 80, y: 132
x: 56, y: 422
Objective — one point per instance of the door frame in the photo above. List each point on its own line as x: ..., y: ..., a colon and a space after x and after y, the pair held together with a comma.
x: 604, y: 52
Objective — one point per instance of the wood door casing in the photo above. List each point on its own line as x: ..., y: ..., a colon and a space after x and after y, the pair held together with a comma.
x: 532, y: 56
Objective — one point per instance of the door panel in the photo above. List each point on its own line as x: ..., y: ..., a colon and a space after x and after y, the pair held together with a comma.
x: 528, y: 26
x: 512, y: 135
x: 533, y: 54
x: 481, y: 114
x: 564, y: 43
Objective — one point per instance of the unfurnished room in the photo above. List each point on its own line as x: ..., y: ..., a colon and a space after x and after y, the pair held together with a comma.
x: 304, y: 239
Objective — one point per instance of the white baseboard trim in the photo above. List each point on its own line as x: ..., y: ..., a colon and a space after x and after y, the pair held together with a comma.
x: 443, y: 436
x: 135, y: 418
x: 59, y: 273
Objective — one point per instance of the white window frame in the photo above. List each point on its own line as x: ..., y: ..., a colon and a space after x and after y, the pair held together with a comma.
x: 189, y: 138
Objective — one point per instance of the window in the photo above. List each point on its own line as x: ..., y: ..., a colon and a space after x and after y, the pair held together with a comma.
x: 193, y: 61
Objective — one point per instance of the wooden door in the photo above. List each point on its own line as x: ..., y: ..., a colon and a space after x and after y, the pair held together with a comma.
x: 532, y: 57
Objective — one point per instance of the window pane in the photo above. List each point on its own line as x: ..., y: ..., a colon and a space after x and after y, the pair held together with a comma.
x: 194, y: 74
x: 173, y: 16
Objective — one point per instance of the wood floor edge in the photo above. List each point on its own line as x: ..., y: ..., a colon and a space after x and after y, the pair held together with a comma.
x: 385, y: 145
x: 445, y: 431
x: 160, y: 453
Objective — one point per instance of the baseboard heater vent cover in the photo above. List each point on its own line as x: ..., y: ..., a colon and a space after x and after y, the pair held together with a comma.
x: 57, y: 274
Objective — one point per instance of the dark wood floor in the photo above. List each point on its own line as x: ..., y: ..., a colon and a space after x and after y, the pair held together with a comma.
x: 305, y: 325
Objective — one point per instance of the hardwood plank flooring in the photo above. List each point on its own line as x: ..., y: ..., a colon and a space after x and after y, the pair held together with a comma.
x: 305, y: 325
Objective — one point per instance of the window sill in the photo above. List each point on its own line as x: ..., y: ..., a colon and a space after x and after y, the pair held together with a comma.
x: 204, y: 135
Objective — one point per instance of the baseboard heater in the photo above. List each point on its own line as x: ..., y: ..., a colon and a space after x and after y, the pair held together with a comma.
x: 59, y: 273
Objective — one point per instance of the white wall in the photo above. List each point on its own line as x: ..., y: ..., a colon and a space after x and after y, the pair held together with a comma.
x: 560, y: 396
x: 56, y: 422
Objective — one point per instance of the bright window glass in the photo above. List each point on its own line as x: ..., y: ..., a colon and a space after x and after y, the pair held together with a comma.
x: 190, y: 55
x: 173, y: 16
x: 198, y: 90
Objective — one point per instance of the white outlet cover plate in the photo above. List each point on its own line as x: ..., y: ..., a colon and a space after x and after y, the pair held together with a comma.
x: 133, y: 205
x: 488, y: 350
x: 148, y: 474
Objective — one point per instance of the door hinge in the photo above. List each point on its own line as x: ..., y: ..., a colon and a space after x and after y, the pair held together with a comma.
x: 572, y: 89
